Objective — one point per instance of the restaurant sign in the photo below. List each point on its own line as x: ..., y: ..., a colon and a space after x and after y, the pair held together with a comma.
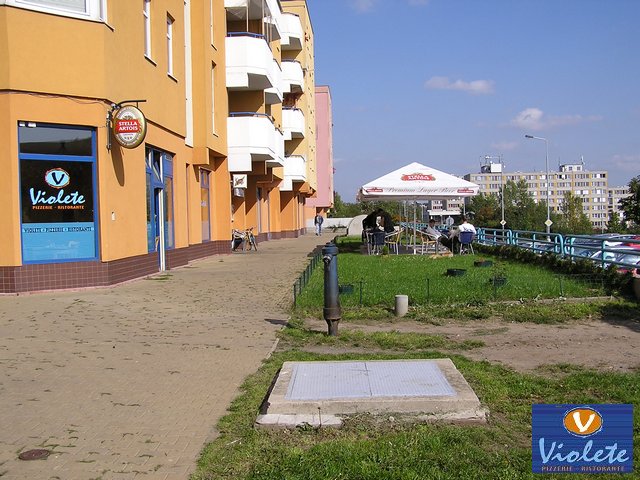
x: 58, y: 221
x: 129, y: 126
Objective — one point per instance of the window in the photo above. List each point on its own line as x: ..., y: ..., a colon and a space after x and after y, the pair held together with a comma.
x: 211, y: 21
x: 146, y: 14
x: 213, y: 97
x: 57, y: 193
x: 169, y: 45
x: 86, y: 9
x: 205, y: 205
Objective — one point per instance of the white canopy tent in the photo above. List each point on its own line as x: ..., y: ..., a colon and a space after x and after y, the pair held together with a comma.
x: 416, y: 182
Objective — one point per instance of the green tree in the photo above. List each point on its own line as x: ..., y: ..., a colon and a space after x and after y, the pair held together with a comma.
x: 343, y: 209
x: 521, y: 212
x: 614, y: 225
x: 631, y: 205
x: 486, y: 208
x: 573, y: 219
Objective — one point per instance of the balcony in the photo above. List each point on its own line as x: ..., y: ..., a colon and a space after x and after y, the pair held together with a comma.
x: 267, y: 11
x: 245, y: 9
x: 295, y: 170
x: 274, y: 94
x: 252, y: 137
x: 292, y: 34
x: 292, y: 76
x: 249, y: 62
x: 278, y: 148
x: 293, y: 123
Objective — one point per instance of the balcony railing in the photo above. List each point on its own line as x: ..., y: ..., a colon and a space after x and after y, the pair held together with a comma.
x: 292, y: 76
x: 249, y: 62
x: 293, y: 123
x: 253, y: 137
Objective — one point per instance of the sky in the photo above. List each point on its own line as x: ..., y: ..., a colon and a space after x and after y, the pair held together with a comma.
x: 448, y: 82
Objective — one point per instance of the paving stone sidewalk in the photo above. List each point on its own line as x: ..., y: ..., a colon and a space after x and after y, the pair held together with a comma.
x: 128, y: 382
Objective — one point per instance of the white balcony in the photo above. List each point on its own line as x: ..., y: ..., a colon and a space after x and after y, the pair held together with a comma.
x: 278, y: 148
x: 293, y: 123
x: 267, y: 11
x: 295, y: 168
x: 292, y: 76
x: 252, y: 138
x: 245, y: 9
x: 292, y: 34
x: 274, y: 94
x: 249, y: 62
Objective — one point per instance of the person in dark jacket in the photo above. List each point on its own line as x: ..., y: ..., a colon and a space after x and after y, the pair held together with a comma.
x: 387, y: 222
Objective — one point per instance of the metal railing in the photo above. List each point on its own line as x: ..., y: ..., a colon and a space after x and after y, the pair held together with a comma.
x: 619, y: 250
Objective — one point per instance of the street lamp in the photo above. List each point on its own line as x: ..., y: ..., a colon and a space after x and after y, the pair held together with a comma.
x: 546, y: 161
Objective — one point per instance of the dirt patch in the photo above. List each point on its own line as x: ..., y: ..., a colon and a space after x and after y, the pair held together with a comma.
x: 610, y: 345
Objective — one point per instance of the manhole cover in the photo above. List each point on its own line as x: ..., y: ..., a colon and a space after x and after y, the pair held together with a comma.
x: 34, y: 454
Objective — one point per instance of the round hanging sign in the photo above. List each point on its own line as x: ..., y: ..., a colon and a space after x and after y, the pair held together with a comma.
x: 129, y: 126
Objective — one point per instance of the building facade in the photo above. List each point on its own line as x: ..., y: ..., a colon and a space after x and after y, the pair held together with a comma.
x: 136, y: 135
x: 590, y: 186
x: 322, y: 201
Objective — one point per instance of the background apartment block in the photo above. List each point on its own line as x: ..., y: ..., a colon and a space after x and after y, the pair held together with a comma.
x: 228, y: 92
x: 598, y: 199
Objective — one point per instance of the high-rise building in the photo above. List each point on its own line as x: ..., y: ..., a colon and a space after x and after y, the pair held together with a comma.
x: 322, y: 201
x: 134, y: 136
x: 590, y: 186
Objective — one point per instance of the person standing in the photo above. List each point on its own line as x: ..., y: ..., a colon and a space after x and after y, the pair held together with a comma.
x: 317, y: 221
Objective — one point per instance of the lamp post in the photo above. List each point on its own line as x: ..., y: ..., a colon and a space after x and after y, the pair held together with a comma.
x: 548, y: 223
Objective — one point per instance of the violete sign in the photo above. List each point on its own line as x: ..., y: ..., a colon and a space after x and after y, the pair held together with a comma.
x: 129, y: 126
x: 568, y: 438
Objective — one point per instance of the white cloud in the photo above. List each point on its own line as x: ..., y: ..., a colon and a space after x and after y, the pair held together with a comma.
x: 535, y: 119
x: 476, y: 87
x: 625, y: 163
x: 362, y: 6
x: 504, y: 146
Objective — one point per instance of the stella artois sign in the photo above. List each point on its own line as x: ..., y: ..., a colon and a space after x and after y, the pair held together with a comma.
x: 129, y: 126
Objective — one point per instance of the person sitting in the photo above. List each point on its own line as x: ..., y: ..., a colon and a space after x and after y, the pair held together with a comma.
x: 453, y: 241
x: 431, y: 230
x: 387, y: 223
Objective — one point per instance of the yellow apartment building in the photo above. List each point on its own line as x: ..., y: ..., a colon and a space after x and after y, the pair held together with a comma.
x: 135, y: 135
x: 599, y: 201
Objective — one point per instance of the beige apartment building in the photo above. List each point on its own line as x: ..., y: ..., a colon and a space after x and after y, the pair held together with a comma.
x: 598, y: 199
x: 135, y: 135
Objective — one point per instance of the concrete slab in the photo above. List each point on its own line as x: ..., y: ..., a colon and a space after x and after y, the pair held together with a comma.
x: 422, y: 389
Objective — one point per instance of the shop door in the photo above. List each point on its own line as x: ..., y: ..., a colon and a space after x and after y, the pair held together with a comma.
x: 156, y: 208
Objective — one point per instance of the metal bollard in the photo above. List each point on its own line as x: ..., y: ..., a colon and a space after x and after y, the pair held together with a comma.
x: 332, y: 312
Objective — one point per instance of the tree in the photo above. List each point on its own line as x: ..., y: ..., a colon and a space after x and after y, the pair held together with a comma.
x: 631, y: 205
x: 486, y: 207
x: 614, y: 225
x: 344, y: 210
x: 574, y: 220
x: 521, y: 212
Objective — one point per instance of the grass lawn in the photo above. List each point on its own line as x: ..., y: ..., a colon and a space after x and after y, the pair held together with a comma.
x: 377, y: 280
x: 369, y: 448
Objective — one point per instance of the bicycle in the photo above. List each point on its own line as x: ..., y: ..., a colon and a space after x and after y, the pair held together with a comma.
x: 246, y: 238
